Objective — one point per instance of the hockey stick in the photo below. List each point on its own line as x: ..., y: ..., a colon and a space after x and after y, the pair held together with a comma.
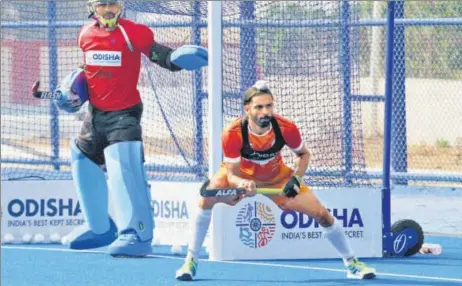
x: 232, y: 192
x: 44, y: 94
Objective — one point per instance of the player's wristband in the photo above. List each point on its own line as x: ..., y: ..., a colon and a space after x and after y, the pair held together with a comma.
x: 160, y: 55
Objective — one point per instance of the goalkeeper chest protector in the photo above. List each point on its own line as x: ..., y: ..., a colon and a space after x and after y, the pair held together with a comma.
x: 250, y: 154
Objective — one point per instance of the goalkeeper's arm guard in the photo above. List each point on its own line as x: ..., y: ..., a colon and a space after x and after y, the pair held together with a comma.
x: 161, y: 55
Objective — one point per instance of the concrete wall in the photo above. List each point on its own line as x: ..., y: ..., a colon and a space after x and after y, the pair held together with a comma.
x: 433, y: 110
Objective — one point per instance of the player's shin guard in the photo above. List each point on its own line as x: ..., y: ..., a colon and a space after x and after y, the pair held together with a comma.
x: 131, y: 198
x: 199, y: 231
x: 90, y: 183
x: 336, y: 236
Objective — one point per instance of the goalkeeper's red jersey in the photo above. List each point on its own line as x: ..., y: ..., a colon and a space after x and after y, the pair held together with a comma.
x: 112, y: 69
x: 266, y: 169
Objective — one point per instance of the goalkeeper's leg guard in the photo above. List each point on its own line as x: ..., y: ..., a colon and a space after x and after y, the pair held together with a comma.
x: 90, y: 183
x: 132, y: 199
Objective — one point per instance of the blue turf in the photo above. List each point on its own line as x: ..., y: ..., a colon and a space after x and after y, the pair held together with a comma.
x: 32, y: 266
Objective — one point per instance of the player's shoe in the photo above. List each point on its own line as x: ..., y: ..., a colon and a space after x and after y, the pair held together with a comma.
x: 187, y: 271
x: 359, y: 270
x: 129, y: 244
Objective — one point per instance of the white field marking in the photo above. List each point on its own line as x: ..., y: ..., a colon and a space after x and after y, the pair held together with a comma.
x: 457, y: 234
x: 243, y: 263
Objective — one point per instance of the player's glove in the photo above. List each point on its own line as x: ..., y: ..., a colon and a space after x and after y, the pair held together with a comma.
x: 292, y: 187
x: 72, y: 93
x: 190, y: 57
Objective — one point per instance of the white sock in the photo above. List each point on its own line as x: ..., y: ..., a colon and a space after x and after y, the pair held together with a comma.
x: 199, y: 230
x: 337, y: 238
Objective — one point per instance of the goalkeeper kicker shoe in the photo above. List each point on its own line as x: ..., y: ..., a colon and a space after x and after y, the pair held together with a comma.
x: 359, y: 270
x: 129, y: 244
x: 83, y: 238
x: 188, y: 270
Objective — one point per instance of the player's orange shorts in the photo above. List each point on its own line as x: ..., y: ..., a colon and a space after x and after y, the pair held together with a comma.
x: 220, y: 180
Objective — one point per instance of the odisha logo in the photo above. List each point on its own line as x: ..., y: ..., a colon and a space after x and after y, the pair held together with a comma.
x: 256, y: 224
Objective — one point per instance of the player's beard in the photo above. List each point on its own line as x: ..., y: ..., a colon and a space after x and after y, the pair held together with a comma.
x: 109, y: 15
x: 263, y: 122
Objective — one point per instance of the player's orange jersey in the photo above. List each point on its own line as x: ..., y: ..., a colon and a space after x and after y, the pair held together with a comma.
x: 260, y: 167
x: 113, y: 63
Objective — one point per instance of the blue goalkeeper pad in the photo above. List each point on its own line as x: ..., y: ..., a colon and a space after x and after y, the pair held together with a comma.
x: 92, y: 191
x: 190, y: 57
x: 131, y: 197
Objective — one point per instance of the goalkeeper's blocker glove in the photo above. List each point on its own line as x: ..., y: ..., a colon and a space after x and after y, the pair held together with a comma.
x: 292, y: 187
x: 190, y: 57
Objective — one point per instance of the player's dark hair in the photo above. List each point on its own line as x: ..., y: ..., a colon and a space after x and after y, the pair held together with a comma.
x: 253, y: 91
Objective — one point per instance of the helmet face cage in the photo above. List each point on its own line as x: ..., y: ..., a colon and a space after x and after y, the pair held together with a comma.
x: 108, y: 23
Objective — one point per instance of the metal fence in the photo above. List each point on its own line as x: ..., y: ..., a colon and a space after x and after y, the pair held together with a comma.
x: 327, y: 56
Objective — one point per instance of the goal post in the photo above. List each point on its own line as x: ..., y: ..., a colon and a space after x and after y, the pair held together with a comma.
x: 214, y: 84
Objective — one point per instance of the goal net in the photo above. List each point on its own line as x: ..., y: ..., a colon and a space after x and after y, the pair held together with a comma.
x: 308, y: 51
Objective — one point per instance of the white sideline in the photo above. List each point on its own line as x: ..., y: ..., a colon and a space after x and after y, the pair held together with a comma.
x: 243, y: 263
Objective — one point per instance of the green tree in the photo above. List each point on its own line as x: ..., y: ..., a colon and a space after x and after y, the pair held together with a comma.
x: 431, y: 51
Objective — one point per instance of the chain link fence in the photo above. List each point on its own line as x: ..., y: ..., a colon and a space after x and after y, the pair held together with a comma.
x: 427, y: 129
x: 427, y: 96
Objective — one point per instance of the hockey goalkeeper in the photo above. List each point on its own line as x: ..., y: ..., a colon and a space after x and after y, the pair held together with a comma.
x: 252, y: 158
x: 111, y: 132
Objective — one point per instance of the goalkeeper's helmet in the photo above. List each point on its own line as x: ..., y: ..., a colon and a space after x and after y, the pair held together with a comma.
x: 108, y: 23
